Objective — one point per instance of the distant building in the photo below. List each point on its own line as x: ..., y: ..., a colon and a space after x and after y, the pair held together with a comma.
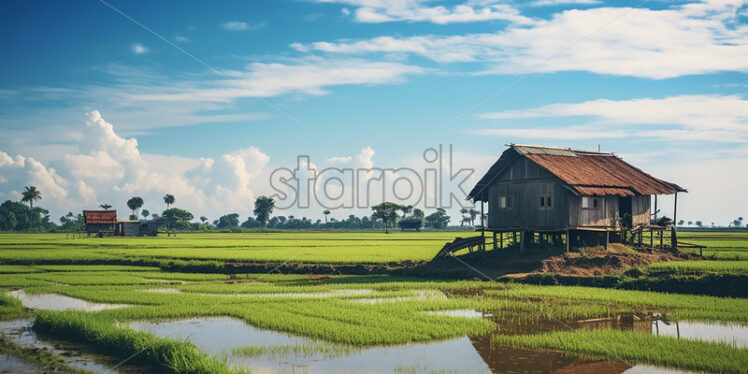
x: 100, y: 221
x: 533, y: 189
x: 104, y: 222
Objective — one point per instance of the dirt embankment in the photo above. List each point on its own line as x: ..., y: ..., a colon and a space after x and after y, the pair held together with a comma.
x: 514, y: 264
x: 598, y: 262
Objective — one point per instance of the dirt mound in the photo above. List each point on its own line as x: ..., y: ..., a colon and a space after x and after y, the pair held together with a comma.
x: 514, y: 264
x: 598, y: 262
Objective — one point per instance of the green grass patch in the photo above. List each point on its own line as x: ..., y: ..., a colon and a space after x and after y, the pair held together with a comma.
x: 106, y: 338
x: 638, y: 348
x: 687, y: 267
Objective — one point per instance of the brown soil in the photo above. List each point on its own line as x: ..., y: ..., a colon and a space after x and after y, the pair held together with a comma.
x: 586, y: 263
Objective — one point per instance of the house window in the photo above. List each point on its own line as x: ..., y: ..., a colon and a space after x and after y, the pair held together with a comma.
x: 505, y: 202
x: 545, y: 202
x: 589, y: 202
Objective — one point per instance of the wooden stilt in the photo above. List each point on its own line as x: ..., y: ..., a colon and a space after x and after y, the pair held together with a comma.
x: 501, y: 240
x: 568, y: 240
x: 673, y: 235
x: 651, y: 237
x: 607, y: 238
x: 494, y: 240
x: 522, y: 243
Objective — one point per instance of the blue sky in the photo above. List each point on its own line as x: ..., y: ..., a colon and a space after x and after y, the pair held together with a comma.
x: 97, y: 107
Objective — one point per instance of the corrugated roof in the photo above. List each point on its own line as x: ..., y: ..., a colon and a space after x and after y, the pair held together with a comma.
x: 587, y: 172
x: 98, y: 217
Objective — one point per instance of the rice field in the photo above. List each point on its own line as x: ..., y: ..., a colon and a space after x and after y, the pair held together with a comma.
x: 338, y: 319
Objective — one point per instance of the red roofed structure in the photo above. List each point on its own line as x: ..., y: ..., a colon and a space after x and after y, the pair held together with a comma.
x: 100, y: 221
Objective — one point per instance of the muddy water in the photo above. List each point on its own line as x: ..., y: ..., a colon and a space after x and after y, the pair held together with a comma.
x: 60, y: 302
x: 77, y: 356
x: 10, y: 364
x: 221, y: 336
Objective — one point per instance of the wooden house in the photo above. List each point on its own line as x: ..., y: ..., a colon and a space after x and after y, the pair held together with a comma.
x: 104, y: 222
x: 100, y: 221
x: 533, y: 189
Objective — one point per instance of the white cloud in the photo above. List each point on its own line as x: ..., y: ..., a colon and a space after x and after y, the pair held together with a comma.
x: 138, y: 49
x: 109, y: 168
x: 369, y: 11
x: 242, y: 26
x: 691, y: 111
x: 686, y: 117
x: 339, y: 160
x: 689, y: 39
x: 309, y: 76
x: 181, y: 38
x: 538, y: 3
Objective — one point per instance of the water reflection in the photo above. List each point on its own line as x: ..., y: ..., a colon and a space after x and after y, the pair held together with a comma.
x: 242, y: 347
x: 59, y: 302
x: 19, y: 331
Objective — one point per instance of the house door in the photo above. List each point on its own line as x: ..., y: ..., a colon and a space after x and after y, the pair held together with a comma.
x: 624, y: 210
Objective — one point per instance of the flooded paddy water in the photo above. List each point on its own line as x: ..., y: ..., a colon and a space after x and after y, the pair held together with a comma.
x: 265, y: 351
x: 59, y: 302
x: 78, y: 356
x: 243, y: 346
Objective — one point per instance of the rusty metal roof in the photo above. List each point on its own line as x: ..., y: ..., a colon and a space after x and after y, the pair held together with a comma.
x: 586, y: 172
x: 97, y: 217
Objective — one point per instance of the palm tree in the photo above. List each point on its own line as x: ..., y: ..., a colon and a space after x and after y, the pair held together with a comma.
x: 105, y: 206
x: 30, y: 194
x: 169, y: 200
x: 134, y: 204
x: 326, y: 213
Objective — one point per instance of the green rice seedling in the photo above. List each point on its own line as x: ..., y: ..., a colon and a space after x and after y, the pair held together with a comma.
x: 638, y: 348
x: 102, y: 335
x: 11, y: 308
x: 41, y: 359
x: 326, y: 350
x: 688, y: 267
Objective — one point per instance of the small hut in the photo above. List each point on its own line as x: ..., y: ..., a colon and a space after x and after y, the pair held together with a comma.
x: 554, y: 191
x: 100, y: 221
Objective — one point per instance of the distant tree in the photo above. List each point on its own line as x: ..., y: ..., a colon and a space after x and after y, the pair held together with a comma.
x: 169, y: 200
x: 18, y: 216
x: 203, y: 219
x: 145, y: 213
x: 250, y: 223
x: 228, y: 221
x: 417, y: 213
x: 438, y: 219
x: 712, y: 224
x: 176, y: 218
x: 30, y: 194
x: 326, y: 213
x: 134, y: 204
x: 681, y: 222
x: 105, y: 206
x: 473, y: 214
x: 11, y: 221
x: 737, y: 223
x: 387, y: 212
x: 407, y: 209
x: 263, y: 209
x: 690, y: 223
x: 699, y: 224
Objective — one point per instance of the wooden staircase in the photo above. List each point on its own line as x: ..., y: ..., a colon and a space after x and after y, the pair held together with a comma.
x: 460, y: 243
